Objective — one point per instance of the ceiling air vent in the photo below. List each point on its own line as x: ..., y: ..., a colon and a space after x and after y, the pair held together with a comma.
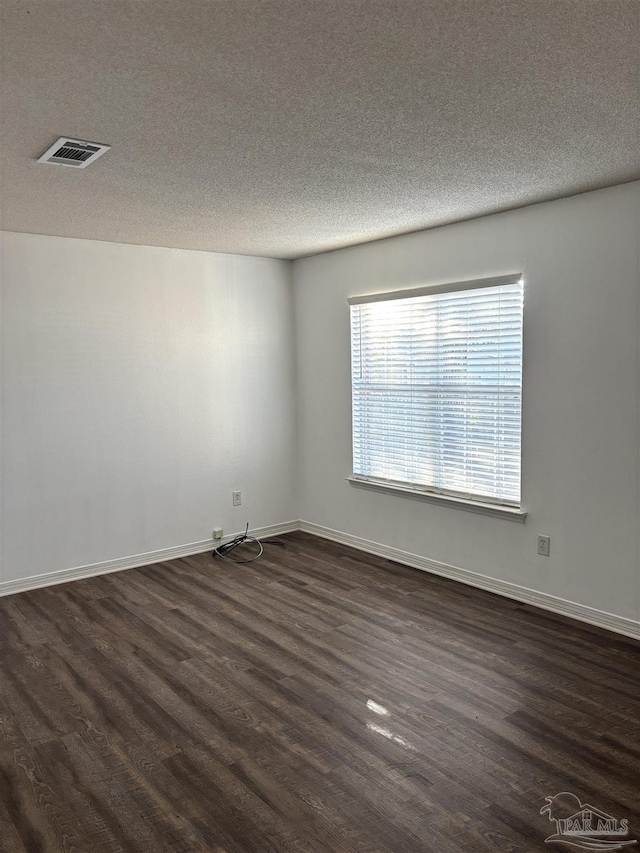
x: 73, y: 152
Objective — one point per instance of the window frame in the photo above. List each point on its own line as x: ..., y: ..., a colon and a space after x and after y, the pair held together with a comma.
x: 486, y: 505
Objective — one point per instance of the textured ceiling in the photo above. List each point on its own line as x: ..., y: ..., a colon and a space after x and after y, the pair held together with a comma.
x: 289, y: 127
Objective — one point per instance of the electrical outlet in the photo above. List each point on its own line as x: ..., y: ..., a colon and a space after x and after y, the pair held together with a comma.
x: 237, y: 498
x: 544, y: 545
x: 218, y: 533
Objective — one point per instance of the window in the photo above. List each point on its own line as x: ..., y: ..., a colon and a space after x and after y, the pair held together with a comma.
x: 437, y: 389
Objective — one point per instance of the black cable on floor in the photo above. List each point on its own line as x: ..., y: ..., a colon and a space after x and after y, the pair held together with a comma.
x: 240, y: 539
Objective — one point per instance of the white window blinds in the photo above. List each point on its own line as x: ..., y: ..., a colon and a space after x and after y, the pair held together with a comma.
x: 437, y: 388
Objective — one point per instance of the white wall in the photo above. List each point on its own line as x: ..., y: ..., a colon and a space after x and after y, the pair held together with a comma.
x: 580, y: 405
x: 140, y: 387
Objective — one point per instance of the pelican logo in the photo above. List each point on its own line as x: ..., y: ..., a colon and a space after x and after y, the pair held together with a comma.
x: 581, y: 825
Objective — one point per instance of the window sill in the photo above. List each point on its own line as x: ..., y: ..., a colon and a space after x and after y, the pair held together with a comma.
x: 509, y: 513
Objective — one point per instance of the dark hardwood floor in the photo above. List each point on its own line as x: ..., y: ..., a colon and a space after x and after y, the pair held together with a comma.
x: 316, y: 700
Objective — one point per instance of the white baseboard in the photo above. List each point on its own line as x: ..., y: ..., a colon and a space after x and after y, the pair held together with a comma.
x: 108, y: 566
x: 590, y: 615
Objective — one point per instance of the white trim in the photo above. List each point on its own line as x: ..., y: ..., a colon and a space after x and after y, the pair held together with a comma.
x: 122, y: 563
x: 581, y: 612
x: 428, y: 290
x: 510, y: 513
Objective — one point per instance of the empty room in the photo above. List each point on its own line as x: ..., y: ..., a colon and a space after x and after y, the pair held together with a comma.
x: 320, y: 426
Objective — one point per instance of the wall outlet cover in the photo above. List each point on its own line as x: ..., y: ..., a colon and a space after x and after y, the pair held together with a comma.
x: 544, y: 546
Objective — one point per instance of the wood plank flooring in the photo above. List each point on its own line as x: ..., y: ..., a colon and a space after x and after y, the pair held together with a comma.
x: 316, y: 700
